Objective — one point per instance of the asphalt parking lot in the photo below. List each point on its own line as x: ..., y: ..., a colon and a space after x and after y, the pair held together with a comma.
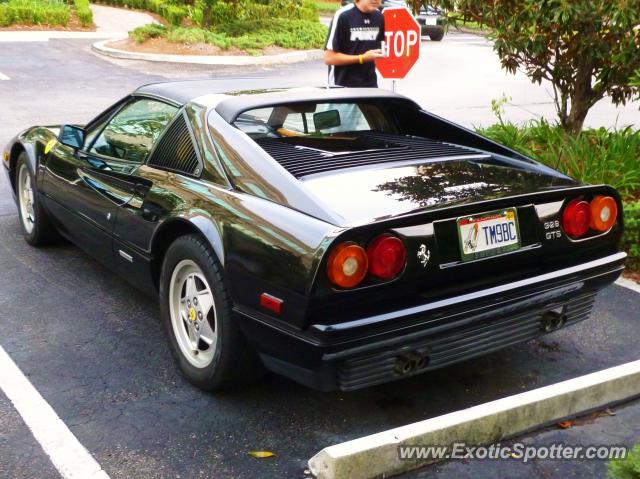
x: 94, y: 348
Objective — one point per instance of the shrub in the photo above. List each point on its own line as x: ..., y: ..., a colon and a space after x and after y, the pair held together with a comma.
x: 152, y: 30
x: 84, y: 13
x: 28, y: 12
x: 631, y: 244
x: 250, y: 36
x: 592, y: 156
x: 174, y: 14
x: 627, y: 468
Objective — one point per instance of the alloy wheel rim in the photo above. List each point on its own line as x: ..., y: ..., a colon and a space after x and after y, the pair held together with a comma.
x: 25, y: 195
x: 193, y: 314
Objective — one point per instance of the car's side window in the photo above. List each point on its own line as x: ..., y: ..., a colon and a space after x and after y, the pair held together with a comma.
x: 132, y: 132
x: 91, y: 134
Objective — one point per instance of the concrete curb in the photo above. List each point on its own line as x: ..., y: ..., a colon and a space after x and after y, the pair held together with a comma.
x: 629, y: 284
x: 291, y: 57
x: 377, y: 455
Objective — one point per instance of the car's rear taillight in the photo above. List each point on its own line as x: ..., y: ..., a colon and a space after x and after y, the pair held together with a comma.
x: 576, y: 218
x: 604, y: 212
x: 580, y: 216
x: 387, y: 256
x: 347, y: 265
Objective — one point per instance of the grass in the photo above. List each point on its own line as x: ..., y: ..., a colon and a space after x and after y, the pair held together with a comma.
x: 34, y: 12
x: 327, y: 8
x: 627, y: 468
x: 250, y: 36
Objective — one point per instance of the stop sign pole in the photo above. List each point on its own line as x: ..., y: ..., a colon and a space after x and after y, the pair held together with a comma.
x: 401, y: 44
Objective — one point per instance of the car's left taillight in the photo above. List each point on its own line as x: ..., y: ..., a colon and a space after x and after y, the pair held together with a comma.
x: 349, y: 263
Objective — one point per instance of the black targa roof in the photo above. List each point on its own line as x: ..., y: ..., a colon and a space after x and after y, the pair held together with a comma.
x: 239, y: 101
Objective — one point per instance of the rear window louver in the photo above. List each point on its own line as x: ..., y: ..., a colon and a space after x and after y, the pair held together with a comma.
x: 175, y: 150
x: 302, y: 161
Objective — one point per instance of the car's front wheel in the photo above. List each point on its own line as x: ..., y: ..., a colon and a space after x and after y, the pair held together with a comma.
x: 36, y: 226
x: 196, y: 310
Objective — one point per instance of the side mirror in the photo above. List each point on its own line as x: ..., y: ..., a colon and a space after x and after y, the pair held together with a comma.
x: 71, y: 136
x: 324, y: 120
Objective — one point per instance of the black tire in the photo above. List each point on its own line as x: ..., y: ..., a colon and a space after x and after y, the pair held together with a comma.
x: 234, y: 361
x: 436, y: 36
x: 37, y: 228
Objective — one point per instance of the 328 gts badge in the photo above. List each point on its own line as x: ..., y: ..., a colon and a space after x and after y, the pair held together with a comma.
x: 552, y: 230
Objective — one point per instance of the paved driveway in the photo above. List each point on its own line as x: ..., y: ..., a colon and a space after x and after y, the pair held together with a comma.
x: 94, y: 349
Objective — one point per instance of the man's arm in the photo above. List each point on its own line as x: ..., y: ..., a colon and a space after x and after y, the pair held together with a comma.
x: 332, y: 57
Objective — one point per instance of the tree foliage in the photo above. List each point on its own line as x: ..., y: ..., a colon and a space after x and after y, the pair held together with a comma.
x: 587, y: 49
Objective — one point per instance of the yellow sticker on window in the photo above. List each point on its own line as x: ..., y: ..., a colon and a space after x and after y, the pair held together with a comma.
x: 49, y: 146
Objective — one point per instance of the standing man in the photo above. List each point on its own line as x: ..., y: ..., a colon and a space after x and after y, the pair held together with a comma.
x: 353, y: 44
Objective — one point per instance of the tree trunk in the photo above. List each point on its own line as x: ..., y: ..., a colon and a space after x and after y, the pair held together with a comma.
x: 572, y: 123
x: 206, y: 14
x: 582, y: 99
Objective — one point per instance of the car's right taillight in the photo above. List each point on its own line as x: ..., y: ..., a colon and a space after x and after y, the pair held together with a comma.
x: 580, y: 216
x: 387, y: 256
x: 604, y: 212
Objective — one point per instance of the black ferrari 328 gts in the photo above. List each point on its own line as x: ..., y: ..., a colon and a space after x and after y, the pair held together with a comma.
x: 340, y: 237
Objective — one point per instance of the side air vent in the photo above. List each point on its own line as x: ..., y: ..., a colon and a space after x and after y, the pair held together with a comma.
x: 302, y: 156
x: 175, y: 150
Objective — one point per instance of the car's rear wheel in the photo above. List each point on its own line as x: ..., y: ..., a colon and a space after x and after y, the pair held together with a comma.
x: 36, y: 226
x: 196, y: 310
x: 436, y: 35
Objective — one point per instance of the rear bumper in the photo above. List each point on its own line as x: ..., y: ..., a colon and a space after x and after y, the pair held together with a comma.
x: 373, y: 350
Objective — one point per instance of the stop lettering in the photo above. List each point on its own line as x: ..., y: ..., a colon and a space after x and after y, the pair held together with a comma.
x: 402, y: 43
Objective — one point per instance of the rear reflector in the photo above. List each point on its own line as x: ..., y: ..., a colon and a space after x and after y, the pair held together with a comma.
x: 604, y: 212
x: 387, y: 256
x: 347, y: 265
x: 576, y: 218
x: 271, y: 303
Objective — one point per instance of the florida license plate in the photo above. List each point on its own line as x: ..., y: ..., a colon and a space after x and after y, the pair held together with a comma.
x: 488, y: 234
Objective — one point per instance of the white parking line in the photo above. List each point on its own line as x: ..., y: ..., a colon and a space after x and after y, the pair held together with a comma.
x: 69, y: 457
x: 627, y: 283
x: 3, y: 76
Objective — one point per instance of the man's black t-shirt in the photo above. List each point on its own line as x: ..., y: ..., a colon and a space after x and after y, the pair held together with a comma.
x: 353, y: 32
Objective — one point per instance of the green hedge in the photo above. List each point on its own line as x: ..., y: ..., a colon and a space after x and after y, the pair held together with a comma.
x: 631, y: 238
x: 84, y: 13
x: 32, y: 12
x: 250, y: 36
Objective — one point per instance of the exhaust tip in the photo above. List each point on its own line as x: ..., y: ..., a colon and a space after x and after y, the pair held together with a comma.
x: 552, y: 320
x: 410, y: 361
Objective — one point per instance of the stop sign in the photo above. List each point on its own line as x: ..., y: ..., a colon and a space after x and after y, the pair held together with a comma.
x: 402, y: 43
